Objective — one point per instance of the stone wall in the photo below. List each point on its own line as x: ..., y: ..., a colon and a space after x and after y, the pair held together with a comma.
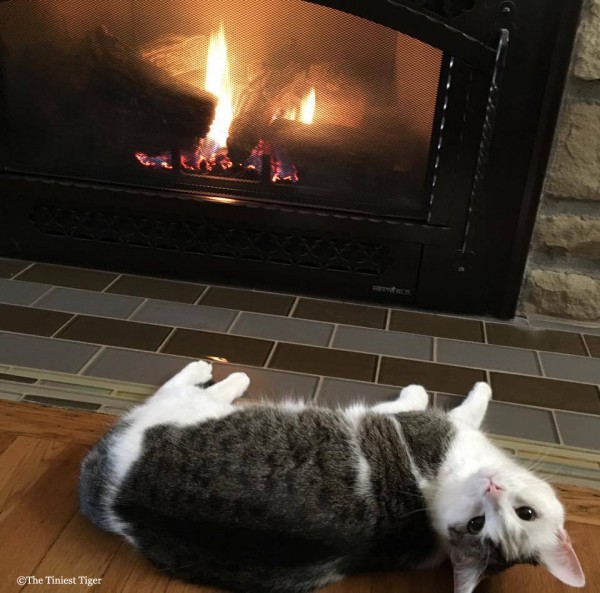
x: 563, y: 270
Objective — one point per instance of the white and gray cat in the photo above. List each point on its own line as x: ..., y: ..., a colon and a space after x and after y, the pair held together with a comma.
x: 287, y: 498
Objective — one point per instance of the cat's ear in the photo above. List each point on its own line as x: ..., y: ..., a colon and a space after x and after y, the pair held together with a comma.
x: 562, y: 562
x: 467, y: 575
x: 473, y: 409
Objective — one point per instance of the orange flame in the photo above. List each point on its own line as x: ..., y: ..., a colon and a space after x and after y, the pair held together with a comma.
x: 307, y: 107
x: 218, y: 82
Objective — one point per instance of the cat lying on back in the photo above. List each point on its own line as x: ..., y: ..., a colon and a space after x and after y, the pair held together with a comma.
x: 285, y: 499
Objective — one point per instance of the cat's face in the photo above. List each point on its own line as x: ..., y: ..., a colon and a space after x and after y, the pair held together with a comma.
x: 492, y: 513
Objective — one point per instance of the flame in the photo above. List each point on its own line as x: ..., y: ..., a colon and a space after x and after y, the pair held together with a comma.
x: 218, y: 82
x: 307, y: 107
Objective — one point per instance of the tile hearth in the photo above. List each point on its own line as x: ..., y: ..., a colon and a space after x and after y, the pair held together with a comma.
x: 102, y: 341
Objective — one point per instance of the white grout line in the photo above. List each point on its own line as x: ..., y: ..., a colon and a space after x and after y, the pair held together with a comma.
x: 112, y: 283
x: 332, y: 336
x: 271, y: 354
x: 38, y: 299
x: 538, y: 358
x: 294, y: 307
x: 377, y: 369
x: 164, y: 342
x: 67, y: 322
x: 485, y: 334
x: 23, y: 271
x: 434, y: 349
x: 89, y: 363
x: 388, y: 320
x: 233, y: 323
x: 317, y: 394
x: 136, y: 309
x: 200, y: 296
x: 586, y: 346
x: 561, y: 441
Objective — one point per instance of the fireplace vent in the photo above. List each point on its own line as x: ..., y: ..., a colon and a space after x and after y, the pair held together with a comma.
x: 445, y: 8
x: 209, y: 238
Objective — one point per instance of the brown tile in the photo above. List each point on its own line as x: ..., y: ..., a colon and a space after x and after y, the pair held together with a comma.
x: 437, y: 325
x: 17, y: 378
x: 25, y: 320
x: 434, y: 377
x: 115, y: 332
x: 535, y: 339
x: 248, y: 300
x: 593, y: 343
x: 547, y: 393
x: 157, y: 288
x: 61, y: 403
x: 70, y: 277
x: 198, y: 344
x: 324, y: 361
x: 346, y: 313
x: 10, y: 267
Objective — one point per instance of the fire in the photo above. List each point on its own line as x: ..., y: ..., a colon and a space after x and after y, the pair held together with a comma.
x: 307, y: 107
x: 218, y: 82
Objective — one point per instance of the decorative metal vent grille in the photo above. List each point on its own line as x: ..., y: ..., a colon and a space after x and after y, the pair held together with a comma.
x: 445, y: 8
x: 208, y: 238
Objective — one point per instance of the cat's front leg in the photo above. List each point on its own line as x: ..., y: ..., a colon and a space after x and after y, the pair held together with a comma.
x: 412, y: 398
x: 230, y: 388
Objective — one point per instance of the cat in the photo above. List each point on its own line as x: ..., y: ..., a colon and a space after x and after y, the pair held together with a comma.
x: 288, y: 498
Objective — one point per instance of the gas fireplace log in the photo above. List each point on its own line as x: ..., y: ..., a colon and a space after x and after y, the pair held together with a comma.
x: 95, y: 102
x: 319, y: 140
x: 147, y: 98
x: 281, y: 90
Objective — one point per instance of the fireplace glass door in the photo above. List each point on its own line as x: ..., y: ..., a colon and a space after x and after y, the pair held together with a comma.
x: 280, y: 101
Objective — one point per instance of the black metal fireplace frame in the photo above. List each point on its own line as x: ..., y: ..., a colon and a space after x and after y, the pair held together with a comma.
x: 467, y: 256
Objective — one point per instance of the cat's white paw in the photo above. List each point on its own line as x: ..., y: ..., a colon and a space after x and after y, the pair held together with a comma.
x: 481, y: 390
x: 239, y: 382
x: 416, y: 396
x: 198, y: 372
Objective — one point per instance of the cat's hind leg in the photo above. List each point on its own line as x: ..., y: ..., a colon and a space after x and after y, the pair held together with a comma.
x: 412, y: 398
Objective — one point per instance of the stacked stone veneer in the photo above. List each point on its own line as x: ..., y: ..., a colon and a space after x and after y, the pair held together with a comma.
x: 563, y: 271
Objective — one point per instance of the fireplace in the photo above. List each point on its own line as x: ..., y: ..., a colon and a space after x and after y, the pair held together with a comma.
x: 389, y: 151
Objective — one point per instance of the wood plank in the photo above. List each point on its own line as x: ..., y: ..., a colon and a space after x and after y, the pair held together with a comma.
x: 21, y: 466
x: 582, y: 504
x: 128, y: 572
x: 81, y: 550
x: 49, y: 423
x: 40, y: 516
x: 6, y: 439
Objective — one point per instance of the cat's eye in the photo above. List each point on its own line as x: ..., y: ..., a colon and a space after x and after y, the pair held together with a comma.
x: 475, y: 525
x: 526, y: 513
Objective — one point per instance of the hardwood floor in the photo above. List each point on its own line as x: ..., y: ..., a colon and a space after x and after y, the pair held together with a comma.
x: 42, y: 533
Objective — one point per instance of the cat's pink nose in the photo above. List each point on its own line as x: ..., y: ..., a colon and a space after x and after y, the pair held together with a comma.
x: 493, y: 488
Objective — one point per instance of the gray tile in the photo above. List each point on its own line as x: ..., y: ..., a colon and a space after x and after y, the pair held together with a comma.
x: 136, y: 367
x: 183, y: 315
x: 485, y: 356
x: 89, y: 303
x: 571, y: 368
x: 44, y: 353
x: 271, y: 385
x: 13, y: 397
x: 578, y: 430
x: 379, y: 341
x: 547, y: 323
x: 509, y: 420
x: 16, y: 292
x: 337, y: 392
x: 283, y: 329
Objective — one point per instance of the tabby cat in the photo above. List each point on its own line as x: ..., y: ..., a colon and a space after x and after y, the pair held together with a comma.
x: 288, y: 498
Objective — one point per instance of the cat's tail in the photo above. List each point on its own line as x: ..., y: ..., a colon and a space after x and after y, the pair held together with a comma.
x: 96, y: 491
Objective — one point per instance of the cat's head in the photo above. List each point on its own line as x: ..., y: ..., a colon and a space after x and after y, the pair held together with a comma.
x: 493, y: 513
